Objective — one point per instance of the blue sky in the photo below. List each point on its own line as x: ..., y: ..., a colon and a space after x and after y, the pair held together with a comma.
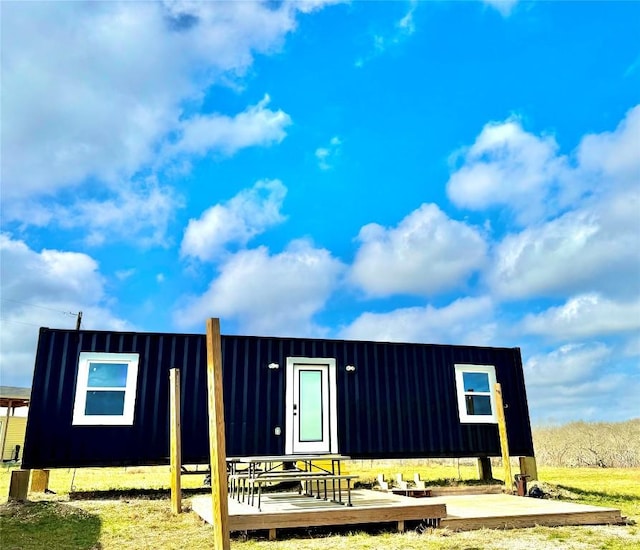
x: 446, y: 172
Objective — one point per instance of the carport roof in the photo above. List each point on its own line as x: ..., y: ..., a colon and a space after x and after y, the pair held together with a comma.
x: 14, y: 397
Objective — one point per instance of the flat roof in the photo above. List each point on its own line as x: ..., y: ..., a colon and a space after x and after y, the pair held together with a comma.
x: 14, y: 397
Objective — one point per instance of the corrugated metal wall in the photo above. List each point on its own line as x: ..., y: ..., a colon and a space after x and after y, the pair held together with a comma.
x: 399, y: 402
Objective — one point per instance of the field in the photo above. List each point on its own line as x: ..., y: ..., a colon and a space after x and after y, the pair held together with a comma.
x: 128, y: 521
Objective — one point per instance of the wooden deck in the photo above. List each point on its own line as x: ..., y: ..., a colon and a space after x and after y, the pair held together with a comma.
x: 459, y: 512
x: 284, y: 510
x: 468, y: 512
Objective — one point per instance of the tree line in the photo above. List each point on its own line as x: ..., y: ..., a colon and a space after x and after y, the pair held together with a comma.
x: 589, y: 444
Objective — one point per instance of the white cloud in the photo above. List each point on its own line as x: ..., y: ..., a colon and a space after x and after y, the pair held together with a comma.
x: 257, y: 125
x: 580, y: 243
x: 246, y: 215
x: 571, y: 364
x: 580, y: 382
x: 426, y: 253
x: 632, y: 347
x: 465, y: 321
x: 407, y: 25
x: 612, y: 397
x: 581, y: 230
x: 326, y: 155
x: 124, y: 274
x: 511, y: 168
x: 139, y: 214
x: 45, y: 288
x: 505, y: 7
x: 585, y: 316
x: 614, y: 155
x: 594, y: 248
x: 94, y: 96
x: 309, y: 6
x: 269, y: 294
x: 402, y: 29
x: 134, y: 211
x: 104, y: 110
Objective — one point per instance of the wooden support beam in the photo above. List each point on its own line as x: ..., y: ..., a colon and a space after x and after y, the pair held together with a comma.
x: 175, y: 450
x: 401, y: 526
x: 217, y: 448
x: 5, y: 429
x: 529, y: 467
x: 504, y: 441
x: 273, y: 534
x: 484, y: 469
x: 19, y: 485
x: 39, y: 481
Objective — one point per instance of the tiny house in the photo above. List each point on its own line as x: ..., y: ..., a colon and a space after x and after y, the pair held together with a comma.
x: 101, y: 398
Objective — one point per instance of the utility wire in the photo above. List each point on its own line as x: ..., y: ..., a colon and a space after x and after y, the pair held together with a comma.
x: 18, y: 322
x: 41, y: 307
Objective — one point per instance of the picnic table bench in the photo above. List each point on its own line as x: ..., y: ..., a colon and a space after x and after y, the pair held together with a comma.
x: 325, y: 484
x: 261, y: 471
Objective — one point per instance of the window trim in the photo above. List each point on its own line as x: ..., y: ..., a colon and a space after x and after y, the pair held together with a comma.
x: 466, y: 418
x: 80, y: 418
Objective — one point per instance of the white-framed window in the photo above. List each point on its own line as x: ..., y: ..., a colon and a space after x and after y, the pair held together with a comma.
x: 105, y: 389
x: 476, y: 398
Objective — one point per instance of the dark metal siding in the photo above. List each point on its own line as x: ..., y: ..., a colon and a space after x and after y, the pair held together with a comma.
x: 52, y: 440
x: 399, y: 402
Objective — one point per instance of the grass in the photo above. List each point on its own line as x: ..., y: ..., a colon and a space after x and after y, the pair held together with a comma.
x: 446, y: 472
x: 55, y: 521
x: 611, y: 487
x: 58, y: 524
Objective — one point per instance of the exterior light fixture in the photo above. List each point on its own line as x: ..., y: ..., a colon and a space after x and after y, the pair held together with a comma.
x: 350, y: 368
x: 273, y: 366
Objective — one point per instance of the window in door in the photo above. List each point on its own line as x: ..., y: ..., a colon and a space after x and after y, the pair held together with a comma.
x: 311, y: 418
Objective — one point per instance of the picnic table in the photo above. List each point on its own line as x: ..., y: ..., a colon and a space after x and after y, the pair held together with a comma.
x: 320, y: 475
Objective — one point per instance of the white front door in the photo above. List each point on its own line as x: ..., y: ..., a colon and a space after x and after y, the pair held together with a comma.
x: 311, y: 406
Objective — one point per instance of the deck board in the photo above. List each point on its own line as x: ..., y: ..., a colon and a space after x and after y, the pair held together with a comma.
x: 293, y: 510
x: 459, y: 512
x: 468, y: 512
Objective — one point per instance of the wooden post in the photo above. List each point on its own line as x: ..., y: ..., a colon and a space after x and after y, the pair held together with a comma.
x: 39, y: 481
x: 217, y: 448
x: 504, y: 442
x: 175, y: 454
x: 529, y: 467
x: 19, y: 485
x: 5, y: 429
x: 484, y: 469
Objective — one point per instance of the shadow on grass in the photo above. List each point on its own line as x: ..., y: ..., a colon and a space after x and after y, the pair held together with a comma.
x: 599, y: 495
x: 368, y: 482
x: 125, y: 494
x: 47, y: 525
x: 325, y: 531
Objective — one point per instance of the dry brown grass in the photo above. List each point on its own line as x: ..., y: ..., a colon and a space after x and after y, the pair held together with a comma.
x: 596, y: 444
